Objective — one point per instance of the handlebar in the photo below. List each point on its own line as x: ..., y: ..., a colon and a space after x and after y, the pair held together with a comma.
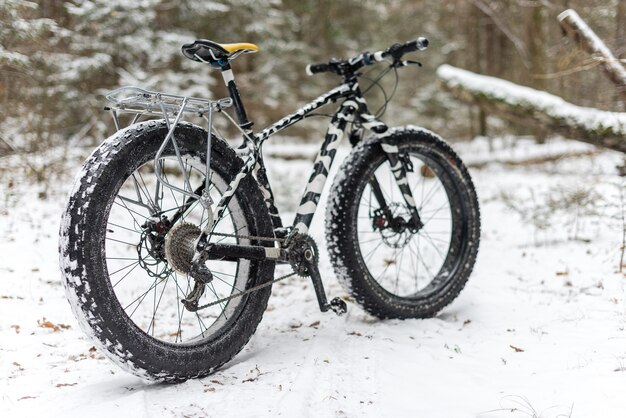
x: 343, y: 67
x: 312, y: 69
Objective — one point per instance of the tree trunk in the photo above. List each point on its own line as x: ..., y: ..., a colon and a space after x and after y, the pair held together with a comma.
x: 620, y: 28
x: 577, y: 29
x: 524, y: 105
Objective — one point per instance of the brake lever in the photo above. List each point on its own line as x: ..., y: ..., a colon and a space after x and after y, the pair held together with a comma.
x: 400, y: 63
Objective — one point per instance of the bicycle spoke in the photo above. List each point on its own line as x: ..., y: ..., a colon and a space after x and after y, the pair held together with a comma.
x: 123, y: 204
x: 223, y: 308
x: 146, y: 286
x: 121, y: 242
x: 126, y: 275
x: 123, y: 268
x: 423, y: 262
x: 178, y: 314
x: 443, y: 257
x: 157, y: 306
x: 123, y: 227
x: 142, y: 297
x: 144, y: 190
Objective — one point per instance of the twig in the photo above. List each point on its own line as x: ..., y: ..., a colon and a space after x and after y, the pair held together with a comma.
x: 582, y: 67
x: 623, y: 213
x: 505, y: 28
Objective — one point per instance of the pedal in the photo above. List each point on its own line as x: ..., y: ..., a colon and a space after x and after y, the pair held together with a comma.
x: 338, y: 306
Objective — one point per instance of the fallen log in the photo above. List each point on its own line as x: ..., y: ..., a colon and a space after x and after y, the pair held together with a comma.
x: 576, y: 28
x: 503, y: 98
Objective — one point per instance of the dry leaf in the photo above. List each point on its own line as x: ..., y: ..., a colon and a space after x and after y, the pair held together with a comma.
x: 427, y: 172
x: 388, y: 261
x: 358, y: 334
x: 60, y: 385
x: 16, y: 328
x: 517, y: 349
x: 315, y: 324
x: 47, y: 324
x: 44, y: 323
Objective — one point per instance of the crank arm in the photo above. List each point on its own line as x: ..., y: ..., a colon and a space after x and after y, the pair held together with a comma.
x: 336, y: 305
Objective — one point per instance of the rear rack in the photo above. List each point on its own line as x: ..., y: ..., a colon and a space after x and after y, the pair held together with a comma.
x: 133, y: 99
x: 141, y: 102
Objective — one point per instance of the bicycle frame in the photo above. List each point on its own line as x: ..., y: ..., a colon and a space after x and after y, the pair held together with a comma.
x: 353, y: 106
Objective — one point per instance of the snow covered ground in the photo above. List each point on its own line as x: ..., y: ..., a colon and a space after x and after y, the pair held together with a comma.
x: 538, y: 331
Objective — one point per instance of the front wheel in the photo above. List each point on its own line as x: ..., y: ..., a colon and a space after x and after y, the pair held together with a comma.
x: 389, y: 268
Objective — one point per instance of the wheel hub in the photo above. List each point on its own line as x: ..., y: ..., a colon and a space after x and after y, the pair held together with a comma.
x: 180, y: 246
x: 397, y: 233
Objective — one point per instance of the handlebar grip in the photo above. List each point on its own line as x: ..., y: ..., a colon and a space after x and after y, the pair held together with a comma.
x: 398, y: 50
x: 316, y: 68
x: 419, y: 44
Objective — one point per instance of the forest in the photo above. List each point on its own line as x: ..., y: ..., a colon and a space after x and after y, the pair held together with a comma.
x: 59, y: 57
x: 515, y: 122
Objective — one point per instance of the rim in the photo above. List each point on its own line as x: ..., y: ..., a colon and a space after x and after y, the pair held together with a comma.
x: 147, y: 288
x: 410, y: 265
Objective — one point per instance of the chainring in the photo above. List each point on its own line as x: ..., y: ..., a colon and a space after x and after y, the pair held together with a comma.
x: 302, y: 251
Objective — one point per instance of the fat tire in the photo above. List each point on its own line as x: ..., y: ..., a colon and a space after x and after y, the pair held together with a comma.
x: 82, y: 247
x: 341, y: 228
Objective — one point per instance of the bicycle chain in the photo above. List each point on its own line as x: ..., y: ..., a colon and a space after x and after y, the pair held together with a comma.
x: 250, y: 237
x: 245, y: 292
x: 252, y: 289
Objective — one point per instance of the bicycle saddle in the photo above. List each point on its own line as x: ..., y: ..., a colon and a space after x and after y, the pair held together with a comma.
x: 203, y: 50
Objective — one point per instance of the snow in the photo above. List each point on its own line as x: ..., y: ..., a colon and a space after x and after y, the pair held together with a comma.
x: 516, y: 95
x: 539, y: 329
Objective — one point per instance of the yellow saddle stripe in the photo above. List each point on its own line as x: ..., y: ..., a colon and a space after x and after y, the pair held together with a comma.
x: 238, y: 47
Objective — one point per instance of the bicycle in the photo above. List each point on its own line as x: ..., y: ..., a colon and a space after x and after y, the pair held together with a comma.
x: 170, y: 238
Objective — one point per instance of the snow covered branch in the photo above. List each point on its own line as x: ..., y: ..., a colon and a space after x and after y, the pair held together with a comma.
x: 585, y: 37
x: 494, y: 95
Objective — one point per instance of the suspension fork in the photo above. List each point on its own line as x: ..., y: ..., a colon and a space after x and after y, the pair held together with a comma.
x: 398, y: 168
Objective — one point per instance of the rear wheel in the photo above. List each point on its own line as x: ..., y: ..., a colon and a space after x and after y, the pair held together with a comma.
x: 392, y: 271
x: 125, y: 254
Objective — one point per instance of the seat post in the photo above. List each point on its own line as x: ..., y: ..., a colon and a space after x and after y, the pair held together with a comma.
x: 229, y: 80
